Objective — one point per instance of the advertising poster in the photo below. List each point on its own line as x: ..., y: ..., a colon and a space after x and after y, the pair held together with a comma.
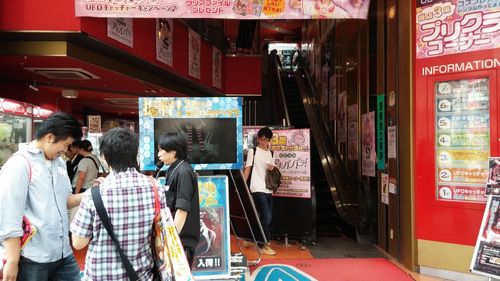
x: 292, y: 157
x: 333, y: 97
x: 324, y: 85
x: 164, y: 36
x: 486, y: 257
x: 352, y: 133
x: 194, y: 48
x: 212, y: 255
x: 121, y: 30
x: 391, y: 142
x: 368, y: 153
x: 384, y: 191
x: 236, y: 9
x: 94, y: 123
x: 216, y: 68
x: 462, y: 123
x: 342, y: 118
x: 456, y: 27
x: 493, y: 185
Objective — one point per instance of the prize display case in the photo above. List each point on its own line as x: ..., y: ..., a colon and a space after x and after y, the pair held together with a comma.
x: 15, y: 126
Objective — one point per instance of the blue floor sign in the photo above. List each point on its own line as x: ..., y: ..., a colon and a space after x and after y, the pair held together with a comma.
x: 280, y: 272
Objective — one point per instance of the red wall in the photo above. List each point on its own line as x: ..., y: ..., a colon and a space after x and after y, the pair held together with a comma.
x: 436, y: 220
x: 243, y: 75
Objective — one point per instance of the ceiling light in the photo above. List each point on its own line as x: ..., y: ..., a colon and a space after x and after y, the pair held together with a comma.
x: 33, y: 87
x: 69, y: 94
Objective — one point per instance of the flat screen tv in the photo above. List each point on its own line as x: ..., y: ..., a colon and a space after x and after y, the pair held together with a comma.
x: 212, y: 126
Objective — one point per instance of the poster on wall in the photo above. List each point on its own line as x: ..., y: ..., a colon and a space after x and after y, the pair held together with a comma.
x: 212, y: 255
x: 216, y: 68
x: 164, y: 36
x: 391, y: 142
x: 94, y: 123
x: 493, y: 185
x: 291, y: 148
x: 455, y: 27
x: 486, y: 256
x: 194, y: 47
x: 368, y: 153
x: 121, y: 30
x: 462, y: 124
x: 237, y: 9
x: 384, y: 188
x: 352, y: 134
x: 342, y: 118
x: 332, y: 90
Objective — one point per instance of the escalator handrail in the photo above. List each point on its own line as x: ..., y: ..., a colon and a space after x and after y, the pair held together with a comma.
x: 334, y: 168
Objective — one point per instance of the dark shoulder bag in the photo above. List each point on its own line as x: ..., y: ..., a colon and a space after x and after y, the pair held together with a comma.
x: 101, y: 212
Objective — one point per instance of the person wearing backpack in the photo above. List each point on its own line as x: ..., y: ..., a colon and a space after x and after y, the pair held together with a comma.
x: 259, y: 160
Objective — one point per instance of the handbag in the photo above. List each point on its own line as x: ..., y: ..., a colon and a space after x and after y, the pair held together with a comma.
x: 168, y: 254
x: 273, y: 179
x: 101, y: 212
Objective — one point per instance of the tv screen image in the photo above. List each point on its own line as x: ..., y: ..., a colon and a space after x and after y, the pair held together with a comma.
x: 210, y: 140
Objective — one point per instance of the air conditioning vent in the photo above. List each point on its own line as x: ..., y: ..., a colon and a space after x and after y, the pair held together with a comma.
x: 63, y: 73
x: 122, y: 101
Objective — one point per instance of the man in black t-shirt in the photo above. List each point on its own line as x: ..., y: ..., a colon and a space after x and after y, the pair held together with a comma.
x: 182, y: 191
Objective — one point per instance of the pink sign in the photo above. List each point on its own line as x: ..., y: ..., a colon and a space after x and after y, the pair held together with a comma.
x: 228, y: 9
x: 457, y: 26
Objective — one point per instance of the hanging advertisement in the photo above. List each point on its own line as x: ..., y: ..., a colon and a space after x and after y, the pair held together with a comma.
x: 352, y: 134
x: 462, y: 123
x: 291, y: 149
x: 216, y: 68
x: 122, y: 30
x: 368, y: 153
x: 164, y: 37
x: 384, y: 191
x: 194, y: 47
x: 391, y: 142
x: 94, y: 123
x: 342, y: 118
x: 226, y: 9
x: 486, y: 257
x: 212, y: 255
x: 454, y: 26
x: 333, y: 97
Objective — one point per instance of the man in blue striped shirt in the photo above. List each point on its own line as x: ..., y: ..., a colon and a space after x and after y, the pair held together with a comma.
x: 35, y: 184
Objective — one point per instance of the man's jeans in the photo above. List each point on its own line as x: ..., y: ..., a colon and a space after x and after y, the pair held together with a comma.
x: 264, y: 205
x: 65, y: 269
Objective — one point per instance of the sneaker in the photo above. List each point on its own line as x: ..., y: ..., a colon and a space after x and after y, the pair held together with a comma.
x: 266, y: 250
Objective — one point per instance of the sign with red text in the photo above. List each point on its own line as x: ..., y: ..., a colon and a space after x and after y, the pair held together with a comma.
x: 228, y: 9
x: 455, y: 26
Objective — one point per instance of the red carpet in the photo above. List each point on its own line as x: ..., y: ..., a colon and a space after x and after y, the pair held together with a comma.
x: 345, y: 269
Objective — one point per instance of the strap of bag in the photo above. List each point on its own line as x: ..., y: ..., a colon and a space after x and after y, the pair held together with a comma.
x: 101, y: 211
x: 157, y: 198
x: 95, y: 163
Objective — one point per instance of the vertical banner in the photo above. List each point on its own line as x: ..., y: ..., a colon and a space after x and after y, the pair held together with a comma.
x: 369, y: 156
x: 352, y: 134
x: 392, y: 142
x: 94, y: 123
x: 384, y: 190
x: 164, y: 35
x: 333, y: 97
x: 216, y: 68
x: 342, y: 118
x: 381, y: 132
x: 194, y: 47
x: 121, y: 30
x: 291, y: 148
x: 486, y: 257
x: 212, y: 255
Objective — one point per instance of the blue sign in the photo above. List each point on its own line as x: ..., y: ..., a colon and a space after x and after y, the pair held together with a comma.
x: 280, y: 272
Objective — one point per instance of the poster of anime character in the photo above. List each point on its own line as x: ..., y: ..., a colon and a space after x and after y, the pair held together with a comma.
x: 212, y: 255
x: 194, y: 47
x: 216, y: 68
x: 369, y: 155
x: 164, y: 36
x: 121, y: 30
x: 486, y: 257
x: 493, y: 184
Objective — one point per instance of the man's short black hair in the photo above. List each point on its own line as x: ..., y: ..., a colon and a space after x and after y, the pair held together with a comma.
x: 265, y: 132
x: 120, y: 147
x: 173, y: 141
x: 61, y: 125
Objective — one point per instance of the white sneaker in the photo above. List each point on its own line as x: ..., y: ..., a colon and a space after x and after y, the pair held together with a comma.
x: 266, y: 250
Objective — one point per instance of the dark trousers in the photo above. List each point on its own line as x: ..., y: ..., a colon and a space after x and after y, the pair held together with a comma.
x: 264, y: 205
x: 189, y: 255
x: 65, y: 269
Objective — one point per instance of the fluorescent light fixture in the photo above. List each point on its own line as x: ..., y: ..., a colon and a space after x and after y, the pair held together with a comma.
x: 69, y: 94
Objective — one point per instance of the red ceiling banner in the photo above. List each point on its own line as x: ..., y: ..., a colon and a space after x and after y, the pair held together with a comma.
x: 228, y: 9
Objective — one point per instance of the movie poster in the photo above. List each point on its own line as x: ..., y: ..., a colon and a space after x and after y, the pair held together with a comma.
x: 194, y: 49
x: 121, y: 30
x: 164, y: 36
x: 216, y: 68
x: 486, y: 257
x: 212, y: 255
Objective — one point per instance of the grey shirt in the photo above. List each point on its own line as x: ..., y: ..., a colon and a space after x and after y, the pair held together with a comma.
x: 42, y: 199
